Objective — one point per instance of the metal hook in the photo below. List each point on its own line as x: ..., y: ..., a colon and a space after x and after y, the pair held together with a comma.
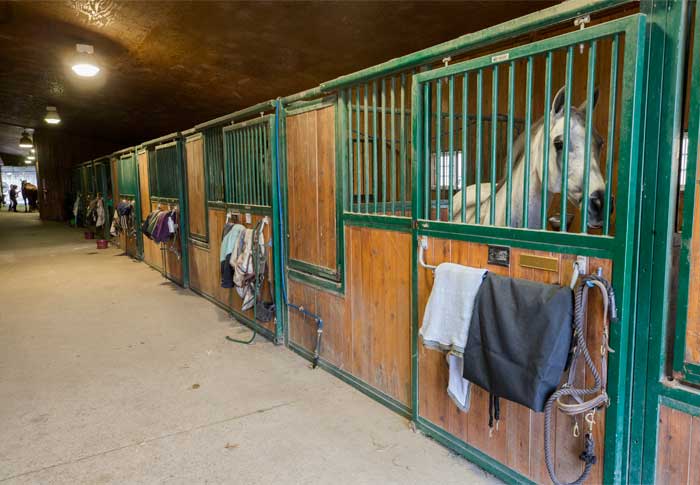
x: 574, y: 275
x: 590, y: 419
x: 422, y: 246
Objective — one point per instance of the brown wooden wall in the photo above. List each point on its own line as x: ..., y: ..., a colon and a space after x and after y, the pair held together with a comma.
x: 519, y: 441
x: 205, y: 269
x: 678, y: 453
x: 114, y: 170
x: 57, y: 153
x: 196, y: 188
x: 367, y: 332
x: 311, y: 187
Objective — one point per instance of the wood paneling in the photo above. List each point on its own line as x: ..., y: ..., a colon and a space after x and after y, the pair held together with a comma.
x: 113, y: 163
x: 196, y: 197
x: 519, y: 441
x: 325, y: 166
x: 367, y: 332
x: 311, y: 187
x: 144, y: 190
x: 205, y: 268
x: 678, y: 450
x: 151, y: 250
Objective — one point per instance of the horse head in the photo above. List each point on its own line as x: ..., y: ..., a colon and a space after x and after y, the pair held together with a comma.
x: 576, y: 160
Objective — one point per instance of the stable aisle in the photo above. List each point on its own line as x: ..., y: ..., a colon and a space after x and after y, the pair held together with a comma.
x: 111, y: 374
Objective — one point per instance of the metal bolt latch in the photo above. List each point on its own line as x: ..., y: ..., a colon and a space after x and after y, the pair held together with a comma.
x: 581, y: 24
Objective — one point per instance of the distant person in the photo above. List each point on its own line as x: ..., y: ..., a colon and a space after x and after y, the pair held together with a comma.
x: 13, y: 199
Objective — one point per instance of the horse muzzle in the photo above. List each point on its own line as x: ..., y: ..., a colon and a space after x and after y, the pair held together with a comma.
x: 596, y: 209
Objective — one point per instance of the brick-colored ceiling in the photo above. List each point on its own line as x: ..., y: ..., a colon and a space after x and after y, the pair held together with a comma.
x: 169, y: 65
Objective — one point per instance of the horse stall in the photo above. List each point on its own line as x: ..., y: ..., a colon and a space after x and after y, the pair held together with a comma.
x: 161, y: 190
x: 535, y: 150
x: 127, y: 196
x: 104, y: 190
x: 229, y: 165
x: 84, y: 187
x: 393, y: 171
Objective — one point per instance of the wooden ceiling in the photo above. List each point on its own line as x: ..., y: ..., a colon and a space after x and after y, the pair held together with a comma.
x: 169, y: 65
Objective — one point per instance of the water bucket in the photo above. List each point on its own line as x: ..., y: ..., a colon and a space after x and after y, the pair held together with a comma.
x: 102, y: 244
x: 89, y: 235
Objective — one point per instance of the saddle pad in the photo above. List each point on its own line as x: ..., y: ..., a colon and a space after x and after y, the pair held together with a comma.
x: 519, y: 339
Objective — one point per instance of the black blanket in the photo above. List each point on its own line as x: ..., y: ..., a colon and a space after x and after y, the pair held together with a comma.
x: 519, y: 339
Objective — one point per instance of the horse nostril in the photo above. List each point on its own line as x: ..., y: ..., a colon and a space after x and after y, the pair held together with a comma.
x: 597, y: 204
x: 596, y: 200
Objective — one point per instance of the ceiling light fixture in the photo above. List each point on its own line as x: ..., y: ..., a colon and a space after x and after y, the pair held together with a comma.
x: 84, y: 64
x: 31, y: 157
x: 27, y: 161
x: 52, y: 117
x: 26, y: 140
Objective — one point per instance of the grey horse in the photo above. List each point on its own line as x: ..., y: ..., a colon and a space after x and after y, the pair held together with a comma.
x: 577, y: 136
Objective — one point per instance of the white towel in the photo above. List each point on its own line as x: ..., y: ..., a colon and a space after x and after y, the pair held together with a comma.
x: 447, y: 318
x: 457, y: 386
x: 449, y: 309
x: 100, y: 208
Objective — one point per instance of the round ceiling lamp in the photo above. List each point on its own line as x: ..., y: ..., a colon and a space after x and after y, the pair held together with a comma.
x: 85, y: 64
x: 25, y: 140
x: 31, y: 157
x: 52, y: 117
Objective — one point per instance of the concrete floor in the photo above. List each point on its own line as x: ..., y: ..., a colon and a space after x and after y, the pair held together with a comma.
x: 110, y: 374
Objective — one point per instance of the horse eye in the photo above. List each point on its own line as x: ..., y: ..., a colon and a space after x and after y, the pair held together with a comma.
x: 558, y: 144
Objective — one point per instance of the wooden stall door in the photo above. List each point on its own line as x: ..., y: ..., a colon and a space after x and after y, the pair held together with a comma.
x: 196, y: 198
x: 151, y: 251
x: 519, y: 442
x: 311, y: 181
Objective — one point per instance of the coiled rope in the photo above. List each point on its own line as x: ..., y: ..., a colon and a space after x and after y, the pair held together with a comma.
x: 580, y: 406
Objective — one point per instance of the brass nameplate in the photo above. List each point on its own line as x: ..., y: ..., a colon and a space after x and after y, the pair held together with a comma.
x: 539, y: 262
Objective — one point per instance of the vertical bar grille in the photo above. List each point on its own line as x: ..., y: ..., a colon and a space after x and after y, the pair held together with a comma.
x: 247, y: 156
x: 516, y: 142
x: 379, y: 138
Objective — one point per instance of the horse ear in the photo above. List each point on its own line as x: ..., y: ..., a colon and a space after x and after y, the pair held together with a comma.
x: 584, y: 105
x: 558, y: 103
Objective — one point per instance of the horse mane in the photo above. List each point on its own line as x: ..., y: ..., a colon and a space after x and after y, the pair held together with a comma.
x: 519, y: 150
